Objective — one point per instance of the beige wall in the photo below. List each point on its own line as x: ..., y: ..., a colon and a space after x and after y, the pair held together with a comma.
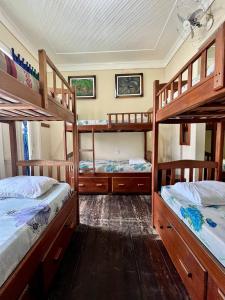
x: 112, y: 145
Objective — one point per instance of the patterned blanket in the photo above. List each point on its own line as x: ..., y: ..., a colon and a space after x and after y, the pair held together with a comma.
x: 9, y: 66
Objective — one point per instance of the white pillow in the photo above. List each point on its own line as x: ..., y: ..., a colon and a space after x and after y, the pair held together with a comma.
x: 25, y: 186
x: 205, y: 193
x: 136, y: 161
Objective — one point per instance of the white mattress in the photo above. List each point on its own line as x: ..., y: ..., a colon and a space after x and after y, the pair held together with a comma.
x: 21, y: 223
x: 207, y: 223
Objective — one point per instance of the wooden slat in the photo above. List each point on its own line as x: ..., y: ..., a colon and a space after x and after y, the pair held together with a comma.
x: 41, y: 170
x: 179, y: 84
x: 200, y: 174
x: 43, y: 77
x: 32, y: 170
x: 172, y: 176
x: 190, y: 174
x: 203, y: 64
x: 182, y: 175
x: 209, y: 174
x: 54, y: 83
x: 164, y: 178
x: 58, y: 173
x: 49, y: 171
x: 13, y: 147
x: 219, y: 73
x: 189, y: 83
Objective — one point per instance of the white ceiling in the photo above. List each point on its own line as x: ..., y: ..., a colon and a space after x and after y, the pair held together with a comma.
x: 97, y: 31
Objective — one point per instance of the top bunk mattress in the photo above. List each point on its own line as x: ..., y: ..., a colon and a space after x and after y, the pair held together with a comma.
x: 21, y: 223
x: 114, y: 166
x: 207, y: 223
x: 8, y: 66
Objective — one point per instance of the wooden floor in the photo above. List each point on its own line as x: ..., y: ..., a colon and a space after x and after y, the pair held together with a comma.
x: 116, y: 255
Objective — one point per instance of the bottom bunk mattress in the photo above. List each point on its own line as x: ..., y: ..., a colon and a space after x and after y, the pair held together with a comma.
x: 22, y: 221
x: 207, y: 223
x: 115, y: 166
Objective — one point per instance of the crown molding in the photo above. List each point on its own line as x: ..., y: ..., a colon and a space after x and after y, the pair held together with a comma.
x: 149, y: 64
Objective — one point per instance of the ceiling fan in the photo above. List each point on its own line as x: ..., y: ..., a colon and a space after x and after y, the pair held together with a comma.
x: 200, y: 19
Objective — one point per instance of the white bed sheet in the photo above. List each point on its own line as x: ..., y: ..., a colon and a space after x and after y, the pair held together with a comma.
x: 22, y: 221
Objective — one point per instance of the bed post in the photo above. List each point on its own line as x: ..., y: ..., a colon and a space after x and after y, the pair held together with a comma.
x: 155, y: 137
x: 13, y: 147
x: 75, y: 155
x: 145, y: 145
x: 219, y: 74
x: 43, y: 77
x: 219, y: 149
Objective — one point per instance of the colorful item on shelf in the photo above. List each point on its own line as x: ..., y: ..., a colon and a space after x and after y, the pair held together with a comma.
x: 26, y: 66
x: 10, y: 67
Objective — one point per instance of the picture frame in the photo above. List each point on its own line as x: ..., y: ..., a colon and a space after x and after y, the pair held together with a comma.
x: 85, y: 86
x: 129, y: 85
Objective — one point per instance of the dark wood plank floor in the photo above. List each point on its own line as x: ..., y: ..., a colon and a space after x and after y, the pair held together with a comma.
x: 116, y: 255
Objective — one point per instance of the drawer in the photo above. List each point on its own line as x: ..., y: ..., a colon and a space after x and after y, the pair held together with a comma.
x: 193, y: 275
x: 131, y: 185
x: 93, y: 185
x: 213, y: 291
x: 51, y: 261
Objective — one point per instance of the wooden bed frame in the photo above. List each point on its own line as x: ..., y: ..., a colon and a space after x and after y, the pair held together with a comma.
x: 130, y: 182
x: 202, y: 274
x: 35, y: 273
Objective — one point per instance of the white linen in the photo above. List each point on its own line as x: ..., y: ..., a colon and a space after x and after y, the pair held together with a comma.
x: 136, y: 161
x: 25, y: 186
x: 204, y: 193
x: 22, y: 221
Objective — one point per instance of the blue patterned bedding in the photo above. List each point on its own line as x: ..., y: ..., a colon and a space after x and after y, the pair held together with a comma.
x: 21, y: 223
x: 114, y: 166
x: 207, y: 223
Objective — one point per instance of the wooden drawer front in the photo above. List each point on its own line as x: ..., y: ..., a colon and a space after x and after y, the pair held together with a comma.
x: 213, y: 291
x: 55, y: 254
x: 191, y: 271
x: 131, y: 185
x: 93, y: 185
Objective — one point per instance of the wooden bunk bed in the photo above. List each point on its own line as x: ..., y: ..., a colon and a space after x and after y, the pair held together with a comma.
x: 35, y: 271
x: 92, y: 180
x: 202, y: 273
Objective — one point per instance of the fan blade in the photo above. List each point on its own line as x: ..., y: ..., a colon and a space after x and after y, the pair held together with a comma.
x: 197, y: 14
x: 181, y: 19
x: 192, y: 32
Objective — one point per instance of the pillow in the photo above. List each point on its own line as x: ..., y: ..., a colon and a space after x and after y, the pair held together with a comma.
x: 205, y: 193
x: 136, y: 161
x: 25, y: 186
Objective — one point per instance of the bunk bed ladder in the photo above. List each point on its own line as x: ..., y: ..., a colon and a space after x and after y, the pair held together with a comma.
x: 91, y: 150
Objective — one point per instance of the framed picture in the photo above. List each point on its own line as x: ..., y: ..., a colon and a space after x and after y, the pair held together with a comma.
x: 129, y: 85
x: 85, y: 86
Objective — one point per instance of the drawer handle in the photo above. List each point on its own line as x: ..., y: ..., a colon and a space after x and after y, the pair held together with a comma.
x: 58, y: 254
x: 188, y: 273
x: 161, y: 226
x: 81, y: 184
x: 99, y: 184
x: 121, y: 184
x: 169, y: 226
x: 140, y: 184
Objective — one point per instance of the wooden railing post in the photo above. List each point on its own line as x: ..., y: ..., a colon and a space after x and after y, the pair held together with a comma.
x: 43, y: 77
x: 155, y: 139
x: 219, y: 149
x: 220, y: 58
x: 13, y: 147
